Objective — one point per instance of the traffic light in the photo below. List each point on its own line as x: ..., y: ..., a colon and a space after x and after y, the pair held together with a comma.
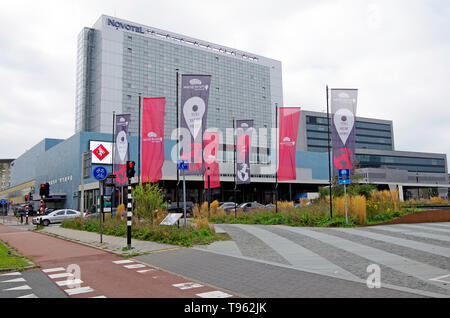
x: 26, y: 197
x: 130, y: 169
x: 44, y: 190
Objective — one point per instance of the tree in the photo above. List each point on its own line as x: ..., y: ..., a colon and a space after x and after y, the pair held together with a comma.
x: 149, y: 199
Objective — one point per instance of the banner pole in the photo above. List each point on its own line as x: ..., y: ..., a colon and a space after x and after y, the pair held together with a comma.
x: 178, y: 145
x: 276, y: 154
x: 329, y: 156
x: 139, y: 141
x: 235, y: 182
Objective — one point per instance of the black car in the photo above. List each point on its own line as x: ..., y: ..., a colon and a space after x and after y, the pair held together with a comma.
x: 173, y: 207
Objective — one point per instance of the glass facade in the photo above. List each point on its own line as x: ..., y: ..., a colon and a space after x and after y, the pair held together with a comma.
x: 115, y: 67
x: 368, y: 135
x: 412, y: 164
x: 83, y: 99
x: 238, y: 88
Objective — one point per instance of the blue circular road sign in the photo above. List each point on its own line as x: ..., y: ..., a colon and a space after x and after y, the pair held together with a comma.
x: 100, y: 173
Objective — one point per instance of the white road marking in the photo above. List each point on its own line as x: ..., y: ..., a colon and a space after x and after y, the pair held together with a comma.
x: 81, y: 290
x: 52, y: 270
x: 13, y: 280
x: 11, y: 274
x: 146, y: 271
x: 135, y: 266
x: 69, y: 282
x: 98, y: 297
x: 24, y: 287
x: 440, y: 279
x: 60, y: 275
x: 123, y: 262
x: 185, y: 286
x: 29, y: 296
x: 214, y: 294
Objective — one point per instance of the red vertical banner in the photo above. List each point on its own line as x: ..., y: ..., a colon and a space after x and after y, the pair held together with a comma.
x: 211, y: 160
x: 289, y: 121
x: 152, y: 139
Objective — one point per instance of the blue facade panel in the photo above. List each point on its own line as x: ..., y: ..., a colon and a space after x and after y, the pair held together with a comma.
x: 316, y: 161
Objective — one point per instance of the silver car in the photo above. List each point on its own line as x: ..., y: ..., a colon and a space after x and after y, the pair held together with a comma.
x: 57, y: 217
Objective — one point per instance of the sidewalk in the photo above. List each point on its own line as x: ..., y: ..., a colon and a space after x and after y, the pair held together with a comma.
x: 111, y: 244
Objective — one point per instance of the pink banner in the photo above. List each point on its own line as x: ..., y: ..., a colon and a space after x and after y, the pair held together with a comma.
x: 211, y: 160
x: 152, y: 139
x: 289, y: 121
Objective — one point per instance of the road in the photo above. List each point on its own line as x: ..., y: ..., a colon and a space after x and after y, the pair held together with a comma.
x: 280, y: 261
x: 260, y: 262
x: 80, y: 271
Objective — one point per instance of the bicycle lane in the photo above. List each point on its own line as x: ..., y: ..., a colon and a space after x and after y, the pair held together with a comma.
x: 84, y: 272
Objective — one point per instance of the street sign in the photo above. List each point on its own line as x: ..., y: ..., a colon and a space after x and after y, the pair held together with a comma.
x: 101, y: 152
x: 100, y: 173
x: 182, y: 165
x: 344, y: 176
x: 171, y: 219
x: 2, y: 201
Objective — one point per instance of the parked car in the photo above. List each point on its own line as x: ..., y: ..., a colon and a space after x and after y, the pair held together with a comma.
x: 270, y: 206
x: 250, y: 205
x: 228, y: 206
x: 172, y: 207
x: 57, y: 217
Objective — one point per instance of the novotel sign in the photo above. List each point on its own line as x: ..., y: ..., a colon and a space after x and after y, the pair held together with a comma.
x: 125, y: 26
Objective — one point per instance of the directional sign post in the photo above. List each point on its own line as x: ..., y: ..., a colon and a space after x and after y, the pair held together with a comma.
x: 100, y: 174
x: 183, y: 165
x: 344, y: 178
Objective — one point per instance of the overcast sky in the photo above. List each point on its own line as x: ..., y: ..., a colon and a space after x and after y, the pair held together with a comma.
x: 397, y: 53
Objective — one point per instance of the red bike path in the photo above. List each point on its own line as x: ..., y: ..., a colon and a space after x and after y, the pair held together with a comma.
x: 100, y: 276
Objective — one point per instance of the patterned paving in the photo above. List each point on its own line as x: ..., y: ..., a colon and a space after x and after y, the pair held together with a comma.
x: 410, y: 256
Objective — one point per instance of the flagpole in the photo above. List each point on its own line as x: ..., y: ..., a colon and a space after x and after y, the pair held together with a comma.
x: 139, y: 141
x: 276, y: 154
x: 329, y: 155
x: 113, y: 192
x: 178, y: 145
x: 235, y: 182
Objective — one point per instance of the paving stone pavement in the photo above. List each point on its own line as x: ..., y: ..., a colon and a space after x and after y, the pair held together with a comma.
x: 411, y: 258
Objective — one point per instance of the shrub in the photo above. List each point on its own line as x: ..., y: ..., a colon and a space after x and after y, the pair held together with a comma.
x: 149, y: 200
x: 356, y: 206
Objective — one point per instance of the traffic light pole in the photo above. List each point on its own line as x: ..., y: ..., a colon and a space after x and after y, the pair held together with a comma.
x: 129, y: 214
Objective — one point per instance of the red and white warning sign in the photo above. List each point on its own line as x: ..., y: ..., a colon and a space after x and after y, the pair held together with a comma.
x: 101, y: 152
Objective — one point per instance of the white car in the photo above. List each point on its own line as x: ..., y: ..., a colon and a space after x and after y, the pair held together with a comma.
x: 57, y: 217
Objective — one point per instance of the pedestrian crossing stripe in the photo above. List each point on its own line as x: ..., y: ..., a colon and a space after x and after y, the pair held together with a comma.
x: 123, y: 262
x: 16, y: 280
x: 11, y: 274
x: 29, y: 296
x: 134, y: 266
x: 62, y: 275
x: 69, y: 282
x: 24, y: 287
x: 214, y: 294
x: 53, y: 270
x: 185, y: 286
x: 77, y: 291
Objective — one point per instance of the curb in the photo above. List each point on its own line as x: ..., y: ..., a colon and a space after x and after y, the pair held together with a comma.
x: 106, y: 249
x: 18, y: 269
